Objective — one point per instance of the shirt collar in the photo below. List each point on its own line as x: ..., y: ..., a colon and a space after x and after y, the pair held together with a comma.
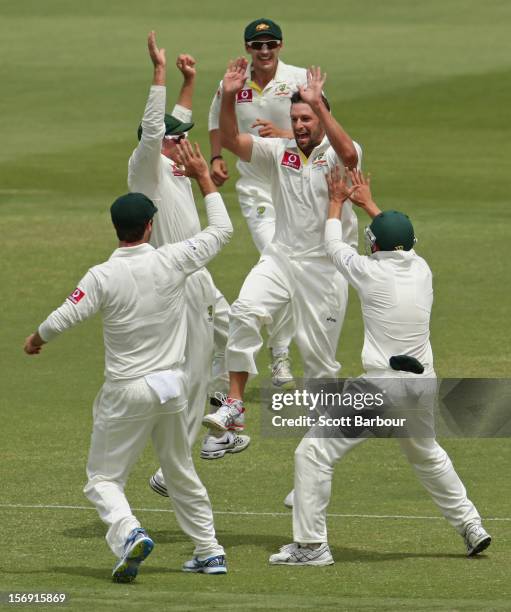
x: 398, y: 255
x: 277, y: 77
x: 322, y: 146
x: 140, y: 249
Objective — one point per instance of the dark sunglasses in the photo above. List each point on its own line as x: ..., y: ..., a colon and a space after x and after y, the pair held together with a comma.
x: 259, y: 44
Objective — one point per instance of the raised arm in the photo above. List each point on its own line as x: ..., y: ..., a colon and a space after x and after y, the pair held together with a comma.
x: 144, y: 163
x: 218, y: 166
x: 338, y: 138
x: 352, y: 266
x: 186, y: 65
x: 192, y: 254
x: 233, y: 81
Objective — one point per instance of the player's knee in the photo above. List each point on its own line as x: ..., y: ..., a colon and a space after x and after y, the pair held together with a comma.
x: 245, y: 312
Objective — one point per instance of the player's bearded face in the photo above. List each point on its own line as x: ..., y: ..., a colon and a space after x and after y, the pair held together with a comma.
x: 306, y: 127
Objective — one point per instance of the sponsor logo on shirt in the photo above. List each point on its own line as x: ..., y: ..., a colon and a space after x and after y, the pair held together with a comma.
x: 245, y: 95
x: 210, y: 313
x: 260, y: 211
x: 291, y: 160
x: 76, y: 296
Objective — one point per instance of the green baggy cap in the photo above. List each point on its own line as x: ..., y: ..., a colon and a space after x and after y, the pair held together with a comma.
x: 172, y: 126
x: 132, y: 210
x: 262, y: 26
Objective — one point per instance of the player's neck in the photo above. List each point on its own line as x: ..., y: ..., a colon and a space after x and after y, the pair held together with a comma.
x: 123, y: 244
x: 262, y: 78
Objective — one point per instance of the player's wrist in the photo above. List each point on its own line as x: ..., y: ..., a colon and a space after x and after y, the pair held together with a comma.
x: 214, y: 158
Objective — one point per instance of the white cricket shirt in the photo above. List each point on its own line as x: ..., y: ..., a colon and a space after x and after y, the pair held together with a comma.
x: 396, y: 294
x: 140, y: 292
x: 300, y: 193
x: 159, y: 178
x: 272, y: 103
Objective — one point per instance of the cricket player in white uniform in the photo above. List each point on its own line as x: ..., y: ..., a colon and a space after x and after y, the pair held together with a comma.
x: 395, y: 289
x: 154, y: 171
x: 294, y: 267
x: 262, y: 109
x: 140, y: 292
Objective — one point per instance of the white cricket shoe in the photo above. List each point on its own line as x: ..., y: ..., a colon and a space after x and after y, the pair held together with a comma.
x: 281, y: 375
x: 214, y: 447
x: 157, y: 483
x: 476, y: 538
x: 289, y: 501
x: 229, y: 417
x: 294, y: 554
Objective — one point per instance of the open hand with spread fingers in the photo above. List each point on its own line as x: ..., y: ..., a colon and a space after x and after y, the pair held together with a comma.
x: 338, y: 190
x: 235, y: 76
x: 361, y: 193
x: 311, y: 94
x: 192, y: 160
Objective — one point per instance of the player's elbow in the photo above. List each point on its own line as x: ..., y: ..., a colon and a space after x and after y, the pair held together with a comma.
x: 350, y: 158
x: 228, y: 141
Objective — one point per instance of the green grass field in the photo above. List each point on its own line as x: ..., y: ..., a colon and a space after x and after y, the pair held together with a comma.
x: 425, y: 88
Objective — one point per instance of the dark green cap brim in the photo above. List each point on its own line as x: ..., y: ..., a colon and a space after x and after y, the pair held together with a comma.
x: 172, y: 126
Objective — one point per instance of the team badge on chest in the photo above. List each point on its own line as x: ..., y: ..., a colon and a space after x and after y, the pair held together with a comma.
x: 245, y: 95
x: 291, y: 160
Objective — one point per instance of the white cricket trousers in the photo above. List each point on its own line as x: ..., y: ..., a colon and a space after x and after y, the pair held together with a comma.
x: 257, y: 208
x: 314, y: 466
x: 126, y: 415
x: 207, y: 329
x: 318, y: 295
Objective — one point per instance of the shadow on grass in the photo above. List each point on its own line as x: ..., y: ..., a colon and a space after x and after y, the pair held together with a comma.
x: 104, y: 573
x: 268, y: 542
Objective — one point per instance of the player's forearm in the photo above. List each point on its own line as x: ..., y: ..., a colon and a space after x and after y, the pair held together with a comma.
x: 228, y: 124
x: 338, y: 138
x: 186, y: 93
x: 218, y: 216
x: 372, y: 209
x: 335, y: 209
x: 159, y: 75
x: 206, y: 184
x: 57, y: 322
x: 215, y: 142
x: 153, y: 120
